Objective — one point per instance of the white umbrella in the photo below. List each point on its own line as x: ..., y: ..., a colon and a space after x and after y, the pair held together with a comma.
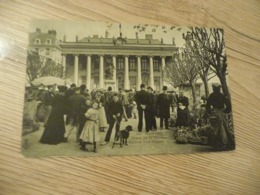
x: 48, y: 80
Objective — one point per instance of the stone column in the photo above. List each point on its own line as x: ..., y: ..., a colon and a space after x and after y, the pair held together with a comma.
x: 88, y: 79
x: 126, y: 79
x: 114, y: 72
x: 162, y: 71
x: 76, y: 69
x: 139, y: 74
x: 64, y: 65
x: 151, y: 72
x: 101, y: 71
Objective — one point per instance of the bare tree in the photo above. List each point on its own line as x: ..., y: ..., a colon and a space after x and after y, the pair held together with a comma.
x: 210, y: 42
x: 39, y: 66
x: 181, y: 69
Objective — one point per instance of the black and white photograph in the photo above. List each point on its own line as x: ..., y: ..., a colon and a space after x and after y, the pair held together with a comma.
x: 105, y: 89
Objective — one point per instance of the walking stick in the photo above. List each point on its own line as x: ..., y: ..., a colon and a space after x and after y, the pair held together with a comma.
x: 116, y: 134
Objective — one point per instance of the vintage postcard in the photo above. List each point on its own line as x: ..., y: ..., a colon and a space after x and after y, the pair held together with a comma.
x: 102, y: 89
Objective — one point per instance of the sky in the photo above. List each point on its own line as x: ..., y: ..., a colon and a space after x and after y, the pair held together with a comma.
x: 89, y: 28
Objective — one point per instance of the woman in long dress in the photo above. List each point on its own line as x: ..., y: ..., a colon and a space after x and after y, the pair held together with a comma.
x: 55, y: 128
x: 221, y: 135
x: 90, y: 132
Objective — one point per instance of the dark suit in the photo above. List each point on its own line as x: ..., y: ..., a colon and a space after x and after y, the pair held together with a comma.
x: 143, y: 98
x: 163, y: 104
x: 152, y: 111
x: 76, y: 111
x: 114, y: 108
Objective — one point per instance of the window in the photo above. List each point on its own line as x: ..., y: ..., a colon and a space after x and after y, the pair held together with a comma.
x: 156, y: 66
x: 144, y: 64
x: 37, y: 41
x: 83, y: 80
x: 36, y: 50
x: 48, y: 41
x: 132, y: 64
x: 47, y: 51
x: 120, y: 64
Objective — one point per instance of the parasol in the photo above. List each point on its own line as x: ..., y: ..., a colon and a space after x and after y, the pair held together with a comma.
x: 48, y: 80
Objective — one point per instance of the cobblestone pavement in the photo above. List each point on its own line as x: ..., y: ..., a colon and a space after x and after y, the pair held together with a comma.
x: 139, y: 143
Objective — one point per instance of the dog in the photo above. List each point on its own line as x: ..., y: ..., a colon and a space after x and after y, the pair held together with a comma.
x: 122, y: 136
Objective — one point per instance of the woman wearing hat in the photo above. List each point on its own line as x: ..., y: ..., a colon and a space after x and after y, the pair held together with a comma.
x: 221, y: 136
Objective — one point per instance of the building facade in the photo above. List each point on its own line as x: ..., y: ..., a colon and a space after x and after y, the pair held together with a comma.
x: 46, y: 44
x: 119, y: 62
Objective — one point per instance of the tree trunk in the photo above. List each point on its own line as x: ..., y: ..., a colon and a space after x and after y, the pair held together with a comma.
x: 206, y: 87
x: 223, y: 82
x: 193, y: 90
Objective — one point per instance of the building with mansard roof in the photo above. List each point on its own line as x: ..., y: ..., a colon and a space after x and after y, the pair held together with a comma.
x: 46, y: 44
x: 100, y: 62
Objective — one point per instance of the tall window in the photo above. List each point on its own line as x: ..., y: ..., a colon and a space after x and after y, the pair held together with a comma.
x: 120, y: 64
x: 144, y: 64
x: 47, y: 51
x: 83, y: 80
x: 156, y: 66
x: 132, y: 64
x: 132, y: 81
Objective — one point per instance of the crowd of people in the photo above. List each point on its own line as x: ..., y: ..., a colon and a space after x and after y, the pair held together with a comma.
x: 89, y: 113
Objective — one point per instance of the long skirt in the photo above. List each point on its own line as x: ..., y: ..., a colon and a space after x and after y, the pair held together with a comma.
x: 103, y: 119
x: 221, y: 136
x: 89, y: 132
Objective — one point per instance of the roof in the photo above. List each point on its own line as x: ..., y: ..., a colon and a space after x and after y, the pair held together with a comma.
x: 111, y: 41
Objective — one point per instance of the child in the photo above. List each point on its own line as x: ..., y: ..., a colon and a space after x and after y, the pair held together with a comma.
x: 90, y: 132
x: 134, y: 110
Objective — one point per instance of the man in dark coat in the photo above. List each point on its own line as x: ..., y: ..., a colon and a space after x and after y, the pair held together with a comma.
x: 115, y: 109
x: 108, y: 96
x: 76, y: 108
x: 163, y: 104
x: 182, y: 111
x: 152, y: 109
x: 142, y: 99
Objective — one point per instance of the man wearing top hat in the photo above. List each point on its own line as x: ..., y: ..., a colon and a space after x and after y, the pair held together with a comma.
x: 142, y: 100
x: 163, y: 103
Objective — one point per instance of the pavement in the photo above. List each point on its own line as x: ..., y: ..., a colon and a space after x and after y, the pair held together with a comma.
x: 139, y: 143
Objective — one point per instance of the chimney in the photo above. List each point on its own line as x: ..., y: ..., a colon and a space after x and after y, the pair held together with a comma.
x: 136, y: 35
x: 161, y: 40
x: 38, y: 30
x: 77, y: 38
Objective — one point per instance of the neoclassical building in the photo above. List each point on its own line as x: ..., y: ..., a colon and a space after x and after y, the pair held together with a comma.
x: 100, y: 62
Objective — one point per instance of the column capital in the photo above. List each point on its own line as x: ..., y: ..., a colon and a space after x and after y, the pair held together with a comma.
x: 163, y: 57
x: 76, y: 54
x: 88, y: 55
x: 126, y: 56
x: 63, y: 54
x: 101, y: 55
